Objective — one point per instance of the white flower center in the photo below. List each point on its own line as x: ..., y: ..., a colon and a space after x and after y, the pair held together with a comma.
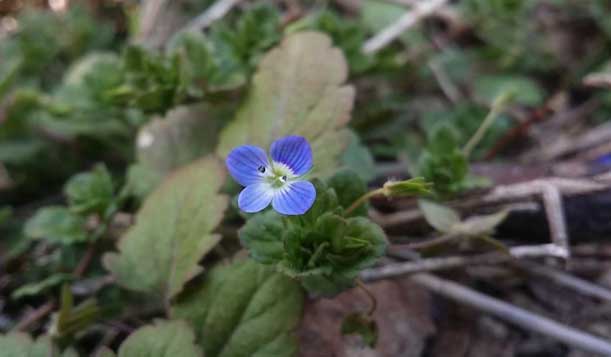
x: 278, y: 175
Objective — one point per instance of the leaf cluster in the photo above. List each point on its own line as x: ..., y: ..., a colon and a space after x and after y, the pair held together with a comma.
x: 324, y: 248
x: 444, y: 164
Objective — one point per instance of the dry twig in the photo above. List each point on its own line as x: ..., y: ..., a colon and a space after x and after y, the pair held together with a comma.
x: 212, y: 14
x: 420, y: 11
x: 514, y: 315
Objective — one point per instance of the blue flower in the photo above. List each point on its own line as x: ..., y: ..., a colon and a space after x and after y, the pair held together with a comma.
x: 277, y: 181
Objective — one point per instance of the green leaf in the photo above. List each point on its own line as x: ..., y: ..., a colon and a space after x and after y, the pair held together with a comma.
x: 358, y: 158
x: 90, y: 192
x: 442, y: 139
x: 347, y: 34
x: 39, y: 287
x: 523, y: 89
x: 56, y: 224
x: 203, y: 68
x: 262, y: 236
x: 141, y: 181
x: 70, y: 319
x: 440, y: 217
x: 244, y: 309
x: 162, y: 339
x: 186, y: 133
x: 160, y: 253
x: 298, y: 90
x: 340, y: 253
x: 362, y: 325
x: 348, y: 187
x: 21, y: 344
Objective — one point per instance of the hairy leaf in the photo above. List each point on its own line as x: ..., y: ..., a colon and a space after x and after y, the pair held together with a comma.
x: 162, y: 339
x: 244, y: 309
x: 263, y: 237
x: 159, y: 254
x: 57, y: 224
x: 298, y: 90
x: 185, y: 134
x: 90, y: 192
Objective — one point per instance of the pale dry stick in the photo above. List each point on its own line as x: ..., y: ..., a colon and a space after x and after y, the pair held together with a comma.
x: 434, y: 264
x: 215, y: 12
x: 514, y: 315
x: 554, y: 210
x: 519, y: 252
x: 598, y: 79
x: 419, y: 11
x: 561, y: 278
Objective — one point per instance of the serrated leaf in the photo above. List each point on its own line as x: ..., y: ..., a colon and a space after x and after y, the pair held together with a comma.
x: 262, y: 236
x: 56, y: 224
x: 162, y: 339
x: 183, y: 135
x: 244, y: 309
x: 298, y: 90
x: 160, y: 253
x: 440, y: 217
x: 90, y: 192
x: 21, y: 344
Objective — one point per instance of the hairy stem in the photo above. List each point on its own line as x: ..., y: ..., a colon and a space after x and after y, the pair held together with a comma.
x: 361, y: 200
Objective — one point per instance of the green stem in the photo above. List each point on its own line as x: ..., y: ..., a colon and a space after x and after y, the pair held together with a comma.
x: 498, y: 106
x: 364, y: 198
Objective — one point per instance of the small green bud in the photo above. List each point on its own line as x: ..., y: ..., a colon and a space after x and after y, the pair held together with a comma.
x: 413, y: 187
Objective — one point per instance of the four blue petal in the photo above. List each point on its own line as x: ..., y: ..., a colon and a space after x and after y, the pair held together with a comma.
x: 296, y: 198
x: 250, y: 166
x: 247, y: 164
x: 294, y: 152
